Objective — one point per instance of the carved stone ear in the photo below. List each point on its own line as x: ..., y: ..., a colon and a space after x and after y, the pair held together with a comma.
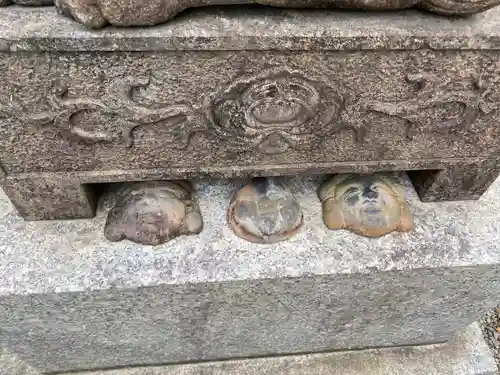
x: 332, y: 215
x: 193, y: 223
x: 406, y: 220
x: 113, y: 232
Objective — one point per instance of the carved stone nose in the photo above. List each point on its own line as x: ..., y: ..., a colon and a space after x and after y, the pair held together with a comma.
x: 267, y: 224
x: 369, y: 193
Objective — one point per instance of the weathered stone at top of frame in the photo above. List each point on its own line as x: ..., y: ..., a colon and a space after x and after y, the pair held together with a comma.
x: 152, y: 12
x: 254, y: 28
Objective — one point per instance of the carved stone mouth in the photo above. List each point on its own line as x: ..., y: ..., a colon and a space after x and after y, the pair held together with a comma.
x: 372, y: 210
x: 277, y: 112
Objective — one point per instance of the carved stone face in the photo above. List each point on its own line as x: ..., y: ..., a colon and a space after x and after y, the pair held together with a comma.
x: 263, y: 212
x: 371, y: 205
x: 279, y: 102
x: 152, y: 213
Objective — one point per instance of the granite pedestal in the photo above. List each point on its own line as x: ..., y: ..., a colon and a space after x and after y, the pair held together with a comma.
x: 70, y: 300
x: 245, y: 91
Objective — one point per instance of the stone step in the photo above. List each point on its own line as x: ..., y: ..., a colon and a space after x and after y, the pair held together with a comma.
x: 71, y: 300
x: 466, y: 354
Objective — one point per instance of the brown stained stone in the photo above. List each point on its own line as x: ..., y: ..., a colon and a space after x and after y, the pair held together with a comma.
x: 369, y: 205
x: 26, y: 2
x: 96, y: 14
x: 152, y: 213
x: 264, y: 212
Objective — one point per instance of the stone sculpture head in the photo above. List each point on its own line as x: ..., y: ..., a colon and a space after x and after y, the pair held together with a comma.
x: 264, y: 212
x: 152, y: 213
x: 370, y: 205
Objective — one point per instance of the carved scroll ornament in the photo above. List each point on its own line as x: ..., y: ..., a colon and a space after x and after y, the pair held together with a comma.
x: 439, y: 105
x: 276, y: 111
x: 128, y: 115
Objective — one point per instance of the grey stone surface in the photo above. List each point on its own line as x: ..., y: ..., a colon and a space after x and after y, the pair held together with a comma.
x: 360, y: 93
x: 10, y: 365
x: 137, y: 13
x: 465, y: 354
x: 234, y: 29
x: 70, y: 300
x: 490, y: 325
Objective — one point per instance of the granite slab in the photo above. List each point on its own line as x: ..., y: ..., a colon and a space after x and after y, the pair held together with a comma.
x: 254, y: 28
x: 465, y: 354
x: 69, y: 300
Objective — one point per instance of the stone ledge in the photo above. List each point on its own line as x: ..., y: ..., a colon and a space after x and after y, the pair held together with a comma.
x: 214, y: 296
x: 74, y: 256
x: 254, y: 28
x: 466, y: 354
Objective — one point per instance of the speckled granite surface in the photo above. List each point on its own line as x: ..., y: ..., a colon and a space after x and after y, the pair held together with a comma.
x: 94, y: 304
x: 466, y: 354
x: 490, y: 325
x: 228, y: 28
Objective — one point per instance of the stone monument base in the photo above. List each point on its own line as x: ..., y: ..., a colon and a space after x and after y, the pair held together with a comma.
x: 466, y: 354
x: 72, y: 301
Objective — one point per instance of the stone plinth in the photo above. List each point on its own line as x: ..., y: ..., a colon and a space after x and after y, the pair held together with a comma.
x: 69, y: 300
x: 245, y: 91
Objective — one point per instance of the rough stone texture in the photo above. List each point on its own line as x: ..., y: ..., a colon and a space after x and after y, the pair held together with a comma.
x: 467, y: 354
x: 10, y: 365
x: 71, y: 300
x: 254, y: 92
x: 153, y: 12
x: 490, y: 325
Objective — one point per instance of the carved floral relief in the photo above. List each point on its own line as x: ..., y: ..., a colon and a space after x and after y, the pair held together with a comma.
x: 277, y: 110
x: 273, y: 112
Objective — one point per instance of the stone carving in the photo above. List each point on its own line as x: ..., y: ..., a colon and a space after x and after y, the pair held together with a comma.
x: 152, y: 213
x: 369, y: 205
x: 96, y: 14
x: 440, y: 105
x: 277, y: 110
x: 118, y: 116
x: 264, y: 212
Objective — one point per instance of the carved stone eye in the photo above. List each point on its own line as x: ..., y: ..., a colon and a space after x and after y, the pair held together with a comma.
x: 353, y: 191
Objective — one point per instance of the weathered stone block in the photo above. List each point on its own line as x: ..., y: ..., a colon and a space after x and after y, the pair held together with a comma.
x: 71, y: 300
x: 246, y: 92
x: 466, y: 354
